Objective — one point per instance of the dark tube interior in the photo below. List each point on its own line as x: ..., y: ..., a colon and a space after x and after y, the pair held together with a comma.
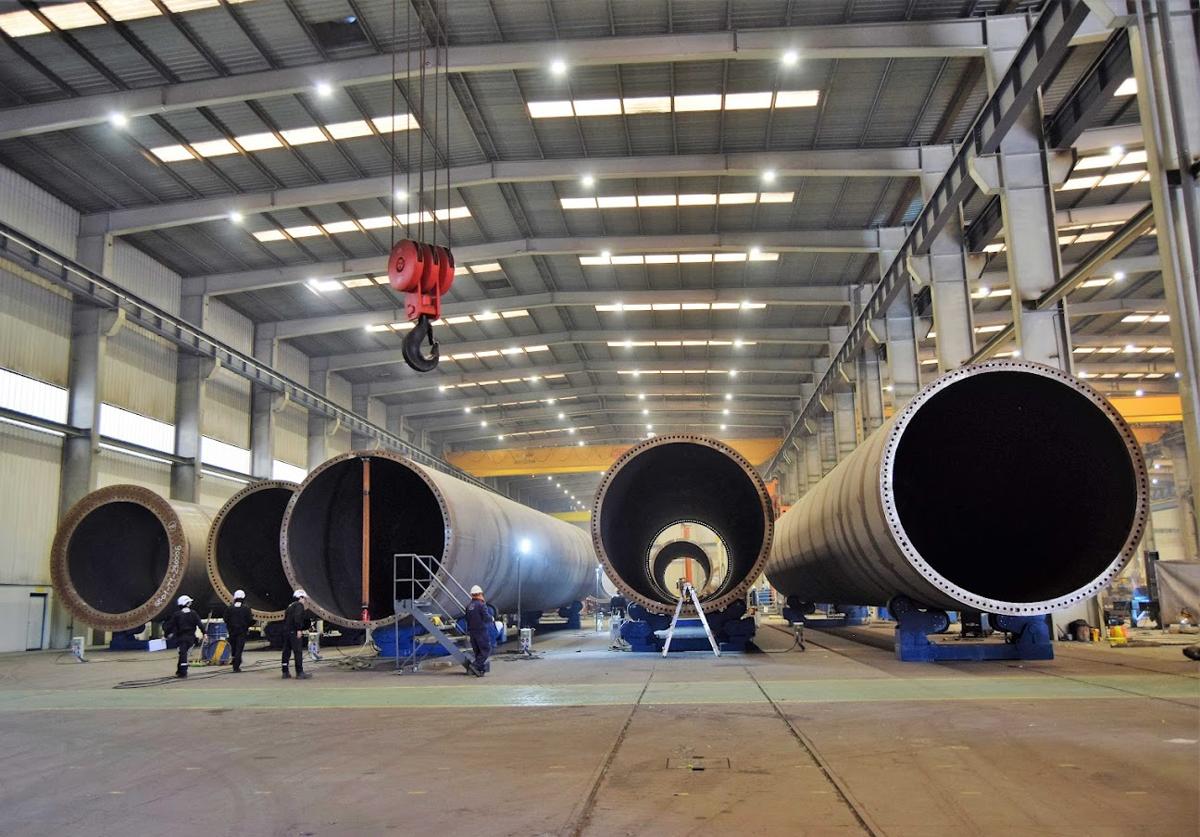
x: 1015, y: 486
x: 674, y: 483
x: 325, y: 535
x: 117, y: 557
x: 675, y: 551
x: 247, y: 549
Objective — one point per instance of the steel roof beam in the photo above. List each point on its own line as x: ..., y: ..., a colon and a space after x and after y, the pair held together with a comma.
x: 817, y: 336
x: 852, y: 162
x: 954, y: 38
x: 799, y: 241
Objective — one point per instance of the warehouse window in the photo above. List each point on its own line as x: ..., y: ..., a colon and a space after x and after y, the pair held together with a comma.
x: 281, y: 470
x: 224, y: 455
x: 32, y: 397
x: 126, y: 426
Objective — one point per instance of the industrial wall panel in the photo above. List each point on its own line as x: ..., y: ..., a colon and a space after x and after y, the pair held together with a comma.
x: 31, y: 463
x: 339, y: 442
x: 140, y: 373
x: 214, y: 490
x: 376, y: 412
x: 136, y: 272
x: 229, y: 326
x: 114, y: 467
x: 1167, y: 534
x: 291, y: 435
x: 292, y: 362
x: 35, y: 327
x: 227, y: 408
x: 37, y: 213
x: 339, y: 391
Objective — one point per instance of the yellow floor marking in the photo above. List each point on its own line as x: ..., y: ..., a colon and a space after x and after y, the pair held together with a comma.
x: 416, y: 793
x: 116, y: 793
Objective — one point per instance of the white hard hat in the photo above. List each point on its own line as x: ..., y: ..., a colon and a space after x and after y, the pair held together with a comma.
x: 239, y: 594
x: 300, y: 594
x: 476, y: 590
x: 183, y: 600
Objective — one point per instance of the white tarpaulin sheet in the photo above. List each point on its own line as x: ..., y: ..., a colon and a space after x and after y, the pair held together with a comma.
x: 1178, y: 588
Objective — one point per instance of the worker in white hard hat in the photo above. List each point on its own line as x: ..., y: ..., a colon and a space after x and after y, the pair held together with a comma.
x: 181, y: 627
x: 479, y: 628
x: 238, y: 619
x: 295, y: 623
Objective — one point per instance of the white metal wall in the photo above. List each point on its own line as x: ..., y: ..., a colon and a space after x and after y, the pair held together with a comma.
x: 136, y: 272
x: 227, y: 402
x: 30, y: 462
x: 37, y: 213
x: 35, y: 327
x: 114, y: 468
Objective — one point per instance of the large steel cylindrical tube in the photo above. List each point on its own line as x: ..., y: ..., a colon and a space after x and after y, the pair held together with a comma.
x: 520, y: 557
x: 1008, y: 487
x: 675, y: 479
x: 124, y: 553
x: 243, y: 548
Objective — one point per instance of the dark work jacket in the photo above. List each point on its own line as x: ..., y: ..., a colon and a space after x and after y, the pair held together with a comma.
x: 479, y: 619
x: 182, y: 624
x: 238, y: 618
x: 294, y: 618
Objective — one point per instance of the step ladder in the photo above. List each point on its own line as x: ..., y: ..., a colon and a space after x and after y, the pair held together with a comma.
x: 687, y: 591
x: 441, y: 626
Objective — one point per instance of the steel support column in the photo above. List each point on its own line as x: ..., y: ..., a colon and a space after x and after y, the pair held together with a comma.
x: 1166, y: 65
x: 1185, y: 494
x: 1019, y: 171
x: 812, y: 461
x: 262, y: 408
x: 319, y: 428
x: 867, y: 376
x: 90, y: 329
x: 944, y: 269
x: 903, y: 369
x: 191, y: 375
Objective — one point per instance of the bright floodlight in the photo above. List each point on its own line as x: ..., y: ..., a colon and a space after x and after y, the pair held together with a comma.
x: 118, y: 120
x: 236, y: 217
x: 324, y: 88
x: 588, y: 180
x: 524, y: 546
x: 790, y: 58
x: 559, y: 67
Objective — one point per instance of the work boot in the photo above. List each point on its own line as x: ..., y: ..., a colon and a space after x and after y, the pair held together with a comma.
x: 237, y: 670
x: 287, y: 675
x: 1192, y: 652
x: 182, y: 675
x: 303, y: 675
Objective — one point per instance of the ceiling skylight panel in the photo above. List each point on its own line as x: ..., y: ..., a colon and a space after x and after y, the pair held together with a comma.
x: 172, y: 153
x: 597, y: 107
x: 550, y: 110
x: 616, y: 201
x: 704, y: 101
x: 797, y: 98
x: 656, y: 200
x: 214, y: 148
x: 259, y: 142
x: 303, y: 136
x: 129, y: 9
x: 349, y: 130
x: 269, y: 235
x: 21, y: 24
x: 697, y: 200
x: 736, y: 197
x: 72, y: 15
x: 578, y: 203
x: 648, y: 104
x: 747, y: 101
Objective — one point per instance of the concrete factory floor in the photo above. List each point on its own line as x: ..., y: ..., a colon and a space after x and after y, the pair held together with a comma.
x: 840, y: 739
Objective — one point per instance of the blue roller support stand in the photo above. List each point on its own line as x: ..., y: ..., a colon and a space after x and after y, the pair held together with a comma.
x: 1028, y: 636
x: 730, y: 629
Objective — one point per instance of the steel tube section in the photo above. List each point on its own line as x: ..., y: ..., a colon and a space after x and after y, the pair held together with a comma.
x: 122, y: 555
x: 674, y: 551
x: 681, y: 479
x: 521, y: 557
x: 945, y: 502
x: 243, y: 548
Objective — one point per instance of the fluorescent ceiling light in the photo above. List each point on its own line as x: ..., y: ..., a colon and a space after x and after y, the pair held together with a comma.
x: 214, y: 148
x: 72, y: 15
x: 172, y: 153
x: 648, y: 104
x: 21, y: 24
x: 303, y: 231
x: 259, y: 142
x: 548, y: 110
x: 747, y: 101
x: 704, y: 101
x: 348, y: 130
x: 597, y: 107
x: 797, y: 98
x: 303, y: 136
x: 129, y: 9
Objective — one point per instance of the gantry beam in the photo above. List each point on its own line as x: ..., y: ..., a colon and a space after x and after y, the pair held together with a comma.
x: 714, y: 391
x: 874, y: 162
x: 409, y: 382
x: 818, y: 295
x: 520, y: 462
x: 608, y: 427
x: 799, y: 241
x: 956, y: 38
x: 815, y: 336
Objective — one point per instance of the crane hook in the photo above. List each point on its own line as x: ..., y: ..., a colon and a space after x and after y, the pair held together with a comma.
x: 413, y: 354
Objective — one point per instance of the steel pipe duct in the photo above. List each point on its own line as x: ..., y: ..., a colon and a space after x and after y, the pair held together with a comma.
x: 1007, y: 487
x: 521, y: 557
x: 674, y: 551
x: 243, y: 548
x: 681, y: 479
x: 123, y: 554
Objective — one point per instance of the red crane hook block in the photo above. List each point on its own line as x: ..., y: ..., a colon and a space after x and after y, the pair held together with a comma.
x: 423, y: 273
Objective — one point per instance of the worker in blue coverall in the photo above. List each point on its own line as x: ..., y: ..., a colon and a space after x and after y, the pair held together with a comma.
x: 479, y: 628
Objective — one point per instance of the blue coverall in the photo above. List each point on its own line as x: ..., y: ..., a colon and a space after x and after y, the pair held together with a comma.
x: 479, y: 628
